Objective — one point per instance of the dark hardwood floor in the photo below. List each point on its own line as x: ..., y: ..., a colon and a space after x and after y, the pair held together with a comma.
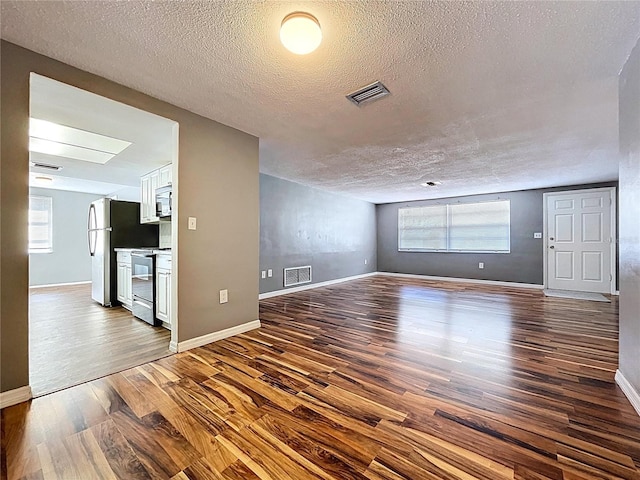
x: 378, y: 378
x: 73, y: 339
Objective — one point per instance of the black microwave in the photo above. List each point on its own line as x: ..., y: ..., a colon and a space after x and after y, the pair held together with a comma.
x: 163, y: 202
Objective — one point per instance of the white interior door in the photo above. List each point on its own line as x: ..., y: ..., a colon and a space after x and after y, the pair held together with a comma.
x: 579, y: 240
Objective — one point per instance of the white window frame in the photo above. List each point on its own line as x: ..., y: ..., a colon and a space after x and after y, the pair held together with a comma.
x: 448, y: 249
x: 49, y: 246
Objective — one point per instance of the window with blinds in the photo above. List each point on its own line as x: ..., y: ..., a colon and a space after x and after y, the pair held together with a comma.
x: 459, y: 227
x: 40, y: 224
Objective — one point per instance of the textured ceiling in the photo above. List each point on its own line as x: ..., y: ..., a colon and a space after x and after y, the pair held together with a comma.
x: 484, y: 96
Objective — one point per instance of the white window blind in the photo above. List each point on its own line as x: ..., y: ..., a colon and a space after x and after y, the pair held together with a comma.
x: 460, y: 227
x: 40, y: 224
x: 423, y: 228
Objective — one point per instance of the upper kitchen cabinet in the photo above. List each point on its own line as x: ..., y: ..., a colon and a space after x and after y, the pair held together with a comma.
x: 165, y: 175
x: 148, y: 185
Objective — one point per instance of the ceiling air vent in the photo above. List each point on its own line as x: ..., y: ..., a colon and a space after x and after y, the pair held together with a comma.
x: 370, y: 92
x: 430, y: 184
x: 45, y: 166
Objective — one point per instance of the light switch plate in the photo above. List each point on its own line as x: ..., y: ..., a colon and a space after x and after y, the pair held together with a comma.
x: 224, y: 296
x: 264, y: 274
x: 537, y: 235
x: 269, y: 273
x: 481, y: 265
x: 192, y: 223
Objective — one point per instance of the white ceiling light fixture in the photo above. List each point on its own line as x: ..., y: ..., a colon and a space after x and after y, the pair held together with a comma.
x: 300, y: 33
x: 42, y: 179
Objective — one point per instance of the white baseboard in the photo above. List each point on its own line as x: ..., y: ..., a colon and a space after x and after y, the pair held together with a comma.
x: 173, y: 346
x: 60, y: 284
x: 617, y: 293
x: 277, y: 293
x: 15, y: 396
x: 630, y: 392
x: 215, y: 336
x: 466, y: 280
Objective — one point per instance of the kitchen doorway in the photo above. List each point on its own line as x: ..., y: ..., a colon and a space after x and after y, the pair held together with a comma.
x: 86, y: 151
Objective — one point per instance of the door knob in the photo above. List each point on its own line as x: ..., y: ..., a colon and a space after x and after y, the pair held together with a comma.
x: 550, y: 238
x: 552, y: 247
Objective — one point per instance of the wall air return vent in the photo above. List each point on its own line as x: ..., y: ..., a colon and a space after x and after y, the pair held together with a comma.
x: 46, y: 166
x: 370, y: 92
x: 297, y: 275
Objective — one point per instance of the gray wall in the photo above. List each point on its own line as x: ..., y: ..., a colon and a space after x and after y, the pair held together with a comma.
x: 523, y: 265
x: 629, y: 176
x: 70, y: 260
x: 305, y: 226
x: 217, y: 182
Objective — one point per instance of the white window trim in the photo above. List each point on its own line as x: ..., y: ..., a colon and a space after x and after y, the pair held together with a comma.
x: 49, y: 249
x: 449, y: 250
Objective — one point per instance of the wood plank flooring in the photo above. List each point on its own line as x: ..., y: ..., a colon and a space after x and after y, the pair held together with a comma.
x: 378, y: 378
x: 73, y: 339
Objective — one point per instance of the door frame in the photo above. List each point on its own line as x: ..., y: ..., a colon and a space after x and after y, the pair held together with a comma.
x: 614, y: 239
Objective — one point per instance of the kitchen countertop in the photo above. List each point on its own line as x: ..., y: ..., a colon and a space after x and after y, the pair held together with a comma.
x: 154, y: 250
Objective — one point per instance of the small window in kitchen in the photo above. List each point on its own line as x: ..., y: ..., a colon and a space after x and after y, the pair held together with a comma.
x: 40, y: 224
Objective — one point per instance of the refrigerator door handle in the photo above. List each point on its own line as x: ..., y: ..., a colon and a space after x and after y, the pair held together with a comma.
x: 91, y: 230
x: 91, y: 252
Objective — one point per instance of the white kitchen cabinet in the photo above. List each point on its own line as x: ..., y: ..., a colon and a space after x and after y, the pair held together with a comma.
x: 155, y: 181
x: 165, y: 175
x: 148, y: 185
x: 163, y: 288
x: 145, y: 190
x: 123, y: 279
x: 128, y: 292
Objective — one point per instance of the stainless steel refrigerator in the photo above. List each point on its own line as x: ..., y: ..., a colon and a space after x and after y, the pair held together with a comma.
x: 113, y: 224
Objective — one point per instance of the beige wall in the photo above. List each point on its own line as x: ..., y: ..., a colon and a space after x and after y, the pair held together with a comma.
x: 630, y: 219
x: 218, y: 183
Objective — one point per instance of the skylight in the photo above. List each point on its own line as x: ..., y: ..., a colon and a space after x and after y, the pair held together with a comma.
x: 62, y: 141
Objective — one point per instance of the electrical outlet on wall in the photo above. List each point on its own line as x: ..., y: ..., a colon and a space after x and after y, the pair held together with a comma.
x: 264, y: 274
x: 537, y: 235
x: 365, y: 261
x: 269, y: 273
x: 224, y: 296
x: 481, y: 265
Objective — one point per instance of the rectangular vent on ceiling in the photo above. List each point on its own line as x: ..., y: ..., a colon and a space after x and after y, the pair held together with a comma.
x: 297, y: 275
x: 45, y: 166
x: 370, y: 92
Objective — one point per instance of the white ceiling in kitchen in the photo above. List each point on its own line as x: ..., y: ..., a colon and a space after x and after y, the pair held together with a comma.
x: 485, y: 96
x: 151, y: 137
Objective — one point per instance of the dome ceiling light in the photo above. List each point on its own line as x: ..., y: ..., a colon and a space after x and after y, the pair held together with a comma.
x: 300, y: 33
